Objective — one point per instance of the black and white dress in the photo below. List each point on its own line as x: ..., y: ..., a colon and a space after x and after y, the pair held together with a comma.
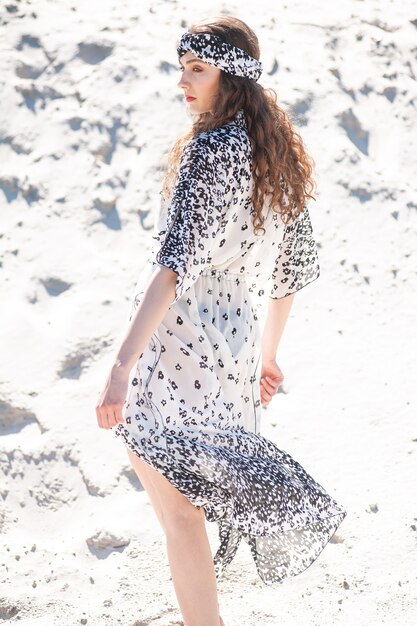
x: 193, y: 407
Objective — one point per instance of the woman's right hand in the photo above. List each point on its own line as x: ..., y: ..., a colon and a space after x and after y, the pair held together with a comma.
x: 271, y: 379
x: 111, y: 400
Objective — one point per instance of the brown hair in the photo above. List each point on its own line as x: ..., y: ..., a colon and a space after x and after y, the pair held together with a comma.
x: 278, y: 153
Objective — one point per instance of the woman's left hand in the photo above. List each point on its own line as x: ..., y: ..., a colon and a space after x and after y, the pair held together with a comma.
x: 111, y: 400
x: 271, y: 378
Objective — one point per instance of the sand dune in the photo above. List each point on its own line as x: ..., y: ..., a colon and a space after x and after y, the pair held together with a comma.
x: 89, y: 109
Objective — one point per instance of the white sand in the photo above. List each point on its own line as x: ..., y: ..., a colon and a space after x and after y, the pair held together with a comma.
x: 89, y: 108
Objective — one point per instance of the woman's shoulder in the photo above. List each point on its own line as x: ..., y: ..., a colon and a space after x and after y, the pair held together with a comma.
x: 225, y: 143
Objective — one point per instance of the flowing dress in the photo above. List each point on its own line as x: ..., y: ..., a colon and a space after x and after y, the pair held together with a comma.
x: 193, y: 407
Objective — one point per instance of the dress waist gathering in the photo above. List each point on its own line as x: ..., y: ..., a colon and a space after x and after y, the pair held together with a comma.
x: 213, y: 272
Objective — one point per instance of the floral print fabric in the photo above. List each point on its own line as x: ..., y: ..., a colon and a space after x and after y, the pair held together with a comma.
x: 213, y: 50
x: 193, y: 406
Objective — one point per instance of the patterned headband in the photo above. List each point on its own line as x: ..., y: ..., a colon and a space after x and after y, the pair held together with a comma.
x: 213, y: 50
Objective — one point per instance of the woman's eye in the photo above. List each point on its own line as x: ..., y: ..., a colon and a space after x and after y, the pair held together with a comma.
x: 181, y: 68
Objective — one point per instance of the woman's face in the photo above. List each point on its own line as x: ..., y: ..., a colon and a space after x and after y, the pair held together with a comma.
x: 199, y: 80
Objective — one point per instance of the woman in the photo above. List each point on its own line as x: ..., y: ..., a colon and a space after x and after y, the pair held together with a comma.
x: 193, y: 364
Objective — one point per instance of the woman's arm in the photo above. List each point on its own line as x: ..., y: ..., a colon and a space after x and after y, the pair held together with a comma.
x: 156, y: 300
x: 277, y: 315
x: 271, y: 375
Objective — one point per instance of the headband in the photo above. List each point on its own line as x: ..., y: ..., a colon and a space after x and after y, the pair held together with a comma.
x: 213, y: 50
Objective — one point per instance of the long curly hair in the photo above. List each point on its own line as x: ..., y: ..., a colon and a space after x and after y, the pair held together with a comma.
x: 282, y: 168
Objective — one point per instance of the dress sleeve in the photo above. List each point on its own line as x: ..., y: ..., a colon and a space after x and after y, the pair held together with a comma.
x: 297, y: 264
x: 192, y: 217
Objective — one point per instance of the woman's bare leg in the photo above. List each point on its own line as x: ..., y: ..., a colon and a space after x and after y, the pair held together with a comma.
x: 189, y: 552
x: 140, y: 468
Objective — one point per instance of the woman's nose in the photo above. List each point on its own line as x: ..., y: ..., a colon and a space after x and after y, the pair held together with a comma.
x: 182, y: 82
